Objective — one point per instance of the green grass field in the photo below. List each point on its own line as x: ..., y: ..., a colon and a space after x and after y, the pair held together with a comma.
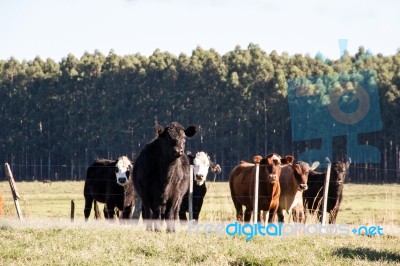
x: 46, y: 236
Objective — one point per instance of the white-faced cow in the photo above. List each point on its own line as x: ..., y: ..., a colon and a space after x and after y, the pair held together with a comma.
x: 293, y: 178
x: 110, y: 182
x: 201, y: 163
x: 161, y: 174
x: 313, y: 196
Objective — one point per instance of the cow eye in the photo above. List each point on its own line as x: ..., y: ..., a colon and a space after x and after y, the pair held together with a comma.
x: 116, y: 169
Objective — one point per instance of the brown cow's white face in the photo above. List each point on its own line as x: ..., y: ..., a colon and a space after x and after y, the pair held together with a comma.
x: 122, y: 170
x: 274, y: 167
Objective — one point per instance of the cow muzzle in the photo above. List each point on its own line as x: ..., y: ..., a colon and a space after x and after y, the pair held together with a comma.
x: 199, y: 180
x: 303, y: 187
x: 199, y: 177
x: 178, y: 152
x: 122, y: 180
x: 272, y: 178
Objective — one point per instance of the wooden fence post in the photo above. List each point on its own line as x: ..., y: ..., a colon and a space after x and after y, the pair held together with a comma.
x: 72, y: 210
x: 326, y: 189
x: 14, y: 191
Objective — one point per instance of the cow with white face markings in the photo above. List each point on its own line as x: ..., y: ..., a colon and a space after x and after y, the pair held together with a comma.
x: 109, y: 182
x: 201, y: 164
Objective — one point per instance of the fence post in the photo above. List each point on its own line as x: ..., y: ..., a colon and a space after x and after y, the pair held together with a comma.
x: 191, y: 193
x: 326, y: 189
x: 256, y: 185
x: 13, y: 191
x: 72, y: 210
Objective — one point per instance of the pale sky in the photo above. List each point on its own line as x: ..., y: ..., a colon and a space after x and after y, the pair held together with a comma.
x: 55, y: 28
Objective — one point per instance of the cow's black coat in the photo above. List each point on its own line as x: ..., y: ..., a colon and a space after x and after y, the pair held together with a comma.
x: 313, y: 195
x: 199, y: 192
x: 161, y: 175
x: 101, y: 186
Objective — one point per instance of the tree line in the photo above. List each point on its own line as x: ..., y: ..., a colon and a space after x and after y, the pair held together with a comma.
x: 57, y: 117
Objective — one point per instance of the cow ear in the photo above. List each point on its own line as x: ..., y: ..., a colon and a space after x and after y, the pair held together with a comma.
x: 190, y: 131
x: 190, y: 155
x: 348, y: 162
x: 287, y: 160
x: 257, y: 159
x: 216, y: 168
x: 314, y: 165
x: 158, y: 129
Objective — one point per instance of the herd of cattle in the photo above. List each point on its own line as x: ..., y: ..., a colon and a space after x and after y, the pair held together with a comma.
x: 157, y: 184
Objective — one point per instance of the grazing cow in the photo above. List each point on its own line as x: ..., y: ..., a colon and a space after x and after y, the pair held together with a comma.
x: 201, y: 163
x: 161, y: 174
x: 110, y: 182
x: 314, y: 195
x: 47, y: 181
x: 293, y: 179
x: 241, y: 183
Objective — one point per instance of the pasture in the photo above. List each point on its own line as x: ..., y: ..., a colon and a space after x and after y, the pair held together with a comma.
x: 48, y: 237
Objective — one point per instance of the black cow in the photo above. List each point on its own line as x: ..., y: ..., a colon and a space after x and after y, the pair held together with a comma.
x: 314, y: 194
x: 109, y: 182
x: 161, y: 174
x: 201, y: 163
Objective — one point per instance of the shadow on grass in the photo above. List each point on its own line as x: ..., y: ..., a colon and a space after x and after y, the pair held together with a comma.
x: 367, y: 254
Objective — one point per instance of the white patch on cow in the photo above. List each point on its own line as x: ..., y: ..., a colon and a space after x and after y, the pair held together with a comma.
x: 123, y: 165
x: 200, y: 170
x: 276, y: 157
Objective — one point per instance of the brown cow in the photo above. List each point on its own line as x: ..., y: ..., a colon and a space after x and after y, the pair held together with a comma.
x: 293, y: 179
x: 241, y: 183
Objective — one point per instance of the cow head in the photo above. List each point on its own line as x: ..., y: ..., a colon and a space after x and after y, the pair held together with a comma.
x: 339, y: 169
x: 201, y: 163
x: 273, y: 165
x: 123, y: 168
x: 300, y: 171
x: 174, y: 139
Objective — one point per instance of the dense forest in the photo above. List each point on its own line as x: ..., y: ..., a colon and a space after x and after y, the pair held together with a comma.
x: 57, y: 117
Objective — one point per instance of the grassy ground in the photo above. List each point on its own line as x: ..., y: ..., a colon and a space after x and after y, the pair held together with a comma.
x: 48, y: 237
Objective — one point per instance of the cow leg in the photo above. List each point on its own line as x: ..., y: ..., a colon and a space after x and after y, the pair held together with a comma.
x: 333, y: 215
x: 88, y: 206
x: 239, y: 214
x: 110, y: 206
x: 172, y: 213
x: 281, y: 216
x: 138, y: 209
x: 96, y: 210
x: 247, y: 214
x: 197, y: 204
x: 105, y: 212
x: 126, y: 212
x: 157, y: 218
x: 148, y: 217
x: 271, y: 216
x: 182, y: 216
